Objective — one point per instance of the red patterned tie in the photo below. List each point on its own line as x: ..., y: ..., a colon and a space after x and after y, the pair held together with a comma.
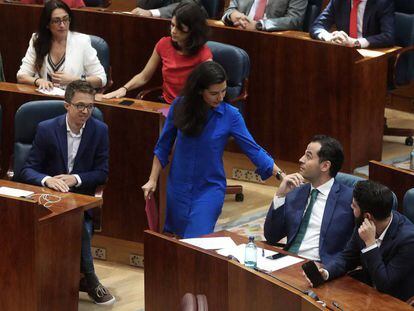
x: 353, y: 19
x: 260, y: 9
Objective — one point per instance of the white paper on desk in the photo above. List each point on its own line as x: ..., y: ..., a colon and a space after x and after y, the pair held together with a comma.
x: 262, y: 262
x: 56, y: 91
x: 211, y: 243
x: 13, y: 192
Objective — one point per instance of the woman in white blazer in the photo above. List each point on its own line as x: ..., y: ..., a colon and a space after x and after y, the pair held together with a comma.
x: 56, y: 55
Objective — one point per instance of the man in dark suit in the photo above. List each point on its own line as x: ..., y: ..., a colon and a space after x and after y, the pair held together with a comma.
x: 359, y: 23
x: 70, y: 153
x: 315, y: 217
x: 158, y: 8
x: 382, y: 242
x: 266, y: 15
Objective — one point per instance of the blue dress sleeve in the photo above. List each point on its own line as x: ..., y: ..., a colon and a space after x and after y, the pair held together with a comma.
x: 166, y: 141
x: 263, y: 161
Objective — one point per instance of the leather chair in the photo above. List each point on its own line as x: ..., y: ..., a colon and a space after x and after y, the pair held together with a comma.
x: 408, y: 204
x: 312, y: 12
x: 214, y: 8
x: 402, y: 73
x: 26, y: 119
x: 236, y: 63
x: 102, y: 50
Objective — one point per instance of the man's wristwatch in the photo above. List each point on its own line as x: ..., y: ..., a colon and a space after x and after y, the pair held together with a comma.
x: 357, y: 44
x: 259, y: 25
x: 279, y: 175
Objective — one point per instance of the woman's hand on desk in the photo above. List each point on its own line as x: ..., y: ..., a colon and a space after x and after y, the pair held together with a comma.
x: 121, y: 92
x: 44, y: 84
x: 149, y: 188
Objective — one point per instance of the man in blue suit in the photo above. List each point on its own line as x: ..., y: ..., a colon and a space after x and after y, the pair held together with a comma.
x: 359, y: 23
x: 315, y: 217
x: 382, y: 242
x: 70, y: 153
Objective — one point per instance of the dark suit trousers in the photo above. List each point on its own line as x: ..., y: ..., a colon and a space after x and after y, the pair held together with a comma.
x: 86, y: 252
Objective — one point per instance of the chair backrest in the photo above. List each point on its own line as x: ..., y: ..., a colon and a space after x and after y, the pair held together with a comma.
x: 312, y: 12
x: 408, y: 204
x: 236, y: 63
x: 213, y: 7
x: 350, y: 181
x: 27, y: 117
x: 404, y: 36
x: 102, y: 50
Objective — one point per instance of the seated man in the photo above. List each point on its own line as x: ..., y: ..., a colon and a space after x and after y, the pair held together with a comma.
x: 382, y: 242
x: 267, y: 15
x: 70, y: 153
x: 158, y: 8
x: 316, y: 217
x: 368, y: 23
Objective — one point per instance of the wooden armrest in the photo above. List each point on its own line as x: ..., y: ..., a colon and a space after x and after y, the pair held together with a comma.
x: 143, y: 94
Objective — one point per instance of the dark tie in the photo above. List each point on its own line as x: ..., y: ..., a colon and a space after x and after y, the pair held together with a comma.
x: 260, y: 9
x: 294, y: 247
x: 353, y: 19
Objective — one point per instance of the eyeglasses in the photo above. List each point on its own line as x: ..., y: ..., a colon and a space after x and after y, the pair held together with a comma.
x: 82, y: 106
x: 57, y: 21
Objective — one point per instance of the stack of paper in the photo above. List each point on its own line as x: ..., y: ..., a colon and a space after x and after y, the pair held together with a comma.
x: 55, y: 91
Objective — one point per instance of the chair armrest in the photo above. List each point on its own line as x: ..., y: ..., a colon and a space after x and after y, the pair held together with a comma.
x: 243, y: 95
x: 143, y: 95
x: 397, y: 58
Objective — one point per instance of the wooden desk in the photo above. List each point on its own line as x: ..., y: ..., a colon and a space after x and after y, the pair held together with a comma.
x: 397, y: 179
x: 298, y: 87
x: 173, y: 268
x: 133, y: 132
x: 40, y: 255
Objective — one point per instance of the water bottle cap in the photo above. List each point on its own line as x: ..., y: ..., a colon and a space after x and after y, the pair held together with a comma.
x: 251, y: 238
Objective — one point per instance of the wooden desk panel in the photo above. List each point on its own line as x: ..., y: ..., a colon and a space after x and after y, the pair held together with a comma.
x: 398, y: 180
x: 246, y: 289
x: 133, y: 132
x: 298, y: 87
x: 40, y: 257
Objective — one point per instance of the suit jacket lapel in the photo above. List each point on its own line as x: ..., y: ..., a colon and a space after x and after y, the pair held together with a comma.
x: 329, y: 211
x: 87, y: 135
x: 299, y: 203
x: 61, y: 133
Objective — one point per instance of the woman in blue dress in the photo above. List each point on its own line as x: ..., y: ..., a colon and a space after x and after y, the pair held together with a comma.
x: 200, y: 123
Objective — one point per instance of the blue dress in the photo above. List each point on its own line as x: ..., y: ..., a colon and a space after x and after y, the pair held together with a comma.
x: 197, y: 183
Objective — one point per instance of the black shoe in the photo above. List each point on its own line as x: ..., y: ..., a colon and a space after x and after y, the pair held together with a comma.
x: 100, y: 295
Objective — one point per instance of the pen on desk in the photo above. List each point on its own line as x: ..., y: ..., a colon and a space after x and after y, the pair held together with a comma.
x: 263, y: 254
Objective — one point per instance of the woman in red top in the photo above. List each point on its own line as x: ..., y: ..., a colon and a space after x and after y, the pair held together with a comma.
x: 180, y: 53
x: 70, y: 3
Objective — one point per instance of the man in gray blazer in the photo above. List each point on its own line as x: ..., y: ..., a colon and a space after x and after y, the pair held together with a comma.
x: 278, y: 14
x: 157, y: 8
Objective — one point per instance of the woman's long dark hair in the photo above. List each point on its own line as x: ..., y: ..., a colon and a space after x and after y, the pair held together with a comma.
x: 190, y: 113
x: 190, y: 14
x: 43, y: 39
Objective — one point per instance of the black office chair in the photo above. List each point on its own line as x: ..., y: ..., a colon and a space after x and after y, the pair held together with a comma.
x: 102, y: 50
x: 402, y: 77
x: 236, y: 63
x: 408, y: 204
x: 26, y: 119
x: 312, y: 12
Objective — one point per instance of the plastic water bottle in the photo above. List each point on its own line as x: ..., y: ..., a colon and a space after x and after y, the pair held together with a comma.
x: 250, y: 255
x: 412, y: 160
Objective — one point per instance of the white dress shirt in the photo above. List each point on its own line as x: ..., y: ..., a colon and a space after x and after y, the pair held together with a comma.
x: 310, y: 244
x: 73, y: 146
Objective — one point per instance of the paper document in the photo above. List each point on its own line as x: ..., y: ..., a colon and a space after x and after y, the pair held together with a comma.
x: 211, y: 243
x: 55, y: 91
x: 262, y: 262
x: 13, y: 192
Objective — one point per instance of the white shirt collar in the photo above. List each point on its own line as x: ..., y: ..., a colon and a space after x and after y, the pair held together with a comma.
x: 325, y: 188
x: 381, y: 237
x: 70, y: 131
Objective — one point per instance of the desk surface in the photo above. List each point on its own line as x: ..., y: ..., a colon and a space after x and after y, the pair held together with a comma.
x: 347, y: 292
x: 298, y: 87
